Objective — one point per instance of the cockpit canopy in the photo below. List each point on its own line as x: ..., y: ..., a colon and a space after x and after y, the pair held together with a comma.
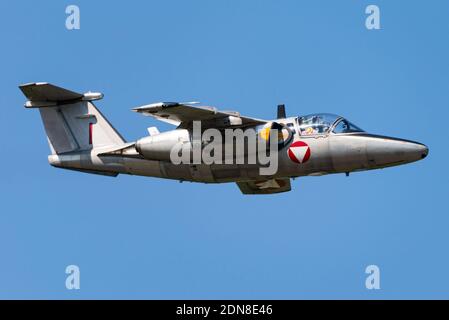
x: 322, y: 123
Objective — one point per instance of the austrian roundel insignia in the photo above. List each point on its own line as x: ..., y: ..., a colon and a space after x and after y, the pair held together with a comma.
x: 299, y: 152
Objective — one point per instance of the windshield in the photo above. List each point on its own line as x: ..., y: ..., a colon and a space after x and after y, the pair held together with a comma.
x: 316, y: 123
x: 344, y: 126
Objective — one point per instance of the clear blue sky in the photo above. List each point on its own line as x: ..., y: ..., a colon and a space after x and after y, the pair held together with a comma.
x: 137, y: 237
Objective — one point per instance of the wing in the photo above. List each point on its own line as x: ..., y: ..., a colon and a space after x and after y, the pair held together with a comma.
x: 265, y: 186
x: 183, y: 114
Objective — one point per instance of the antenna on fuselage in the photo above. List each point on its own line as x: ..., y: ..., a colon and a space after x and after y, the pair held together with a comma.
x: 281, y: 111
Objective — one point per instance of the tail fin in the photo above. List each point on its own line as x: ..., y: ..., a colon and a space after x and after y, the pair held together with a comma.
x: 71, y: 120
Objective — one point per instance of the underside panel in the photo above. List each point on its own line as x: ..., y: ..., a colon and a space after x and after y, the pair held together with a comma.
x: 265, y: 186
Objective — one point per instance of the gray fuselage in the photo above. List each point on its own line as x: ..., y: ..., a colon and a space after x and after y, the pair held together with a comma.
x: 329, y: 152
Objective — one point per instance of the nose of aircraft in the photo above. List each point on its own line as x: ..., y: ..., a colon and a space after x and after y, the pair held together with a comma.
x: 424, y: 151
x: 386, y: 151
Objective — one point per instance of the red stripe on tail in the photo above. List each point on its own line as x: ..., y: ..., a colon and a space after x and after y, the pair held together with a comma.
x: 90, y: 132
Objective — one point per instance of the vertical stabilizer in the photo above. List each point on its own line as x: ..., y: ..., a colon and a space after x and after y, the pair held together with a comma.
x: 71, y: 120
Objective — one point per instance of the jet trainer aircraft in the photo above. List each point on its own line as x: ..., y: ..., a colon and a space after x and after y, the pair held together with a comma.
x: 82, y: 139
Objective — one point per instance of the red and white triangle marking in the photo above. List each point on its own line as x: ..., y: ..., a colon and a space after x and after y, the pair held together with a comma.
x: 299, y: 152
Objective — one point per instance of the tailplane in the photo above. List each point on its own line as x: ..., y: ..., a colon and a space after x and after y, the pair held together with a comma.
x: 71, y: 120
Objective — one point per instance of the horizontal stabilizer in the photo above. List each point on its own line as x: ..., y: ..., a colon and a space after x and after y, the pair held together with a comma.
x: 43, y: 94
x: 127, y: 149
x: 43, y: 91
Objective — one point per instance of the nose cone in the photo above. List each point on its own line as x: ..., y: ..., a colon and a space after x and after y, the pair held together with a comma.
x: 424, y: 151
x: 387, y: 151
